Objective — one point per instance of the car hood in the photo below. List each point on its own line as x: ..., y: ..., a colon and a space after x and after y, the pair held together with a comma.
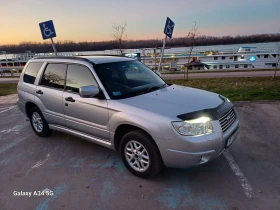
x: 175, y: 100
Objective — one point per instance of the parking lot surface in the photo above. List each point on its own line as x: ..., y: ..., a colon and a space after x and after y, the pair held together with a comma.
x: 83, y: 175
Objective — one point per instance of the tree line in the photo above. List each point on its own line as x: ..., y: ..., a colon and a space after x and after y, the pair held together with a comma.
x: 71, y: 46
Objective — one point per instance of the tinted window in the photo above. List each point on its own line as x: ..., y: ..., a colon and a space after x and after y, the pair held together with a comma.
x: 127, y: 79
x: 54, y: 76
x: 78, y: 76
x: 31, y: 72
x: 133, y: 72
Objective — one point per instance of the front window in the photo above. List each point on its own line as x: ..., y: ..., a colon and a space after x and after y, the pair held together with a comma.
x: 78, y: 76
x: 127, y: 79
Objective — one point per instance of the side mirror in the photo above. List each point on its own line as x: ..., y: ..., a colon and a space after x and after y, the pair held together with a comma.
x: 88, y: 91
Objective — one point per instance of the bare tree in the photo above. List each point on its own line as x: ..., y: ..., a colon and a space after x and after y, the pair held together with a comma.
x: 191, y: 42
x: 278, y: 60
x: 71, y: 46
x: 119, y: 34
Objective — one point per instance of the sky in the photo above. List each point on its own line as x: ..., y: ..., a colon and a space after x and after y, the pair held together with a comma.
x: 92, y: 20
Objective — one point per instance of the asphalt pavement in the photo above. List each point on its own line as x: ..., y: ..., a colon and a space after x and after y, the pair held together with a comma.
x: 8, y: 80
x: 83, y: 175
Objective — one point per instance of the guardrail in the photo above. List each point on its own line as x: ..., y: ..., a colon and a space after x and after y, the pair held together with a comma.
x: 11, y: 68
x: 3, y: 75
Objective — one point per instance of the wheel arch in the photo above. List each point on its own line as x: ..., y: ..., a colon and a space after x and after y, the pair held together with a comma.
x: 28, y: 107
x: 123, y: 129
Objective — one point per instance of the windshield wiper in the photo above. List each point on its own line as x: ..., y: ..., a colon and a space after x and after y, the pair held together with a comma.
x: 153, y: 88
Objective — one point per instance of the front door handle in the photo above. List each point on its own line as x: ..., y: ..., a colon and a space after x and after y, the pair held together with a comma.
x: 39, y: 92
x: 70, y: 99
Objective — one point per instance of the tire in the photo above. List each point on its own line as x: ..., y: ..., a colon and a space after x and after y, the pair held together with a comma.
x: 42, y: 130
x: 148, y: 167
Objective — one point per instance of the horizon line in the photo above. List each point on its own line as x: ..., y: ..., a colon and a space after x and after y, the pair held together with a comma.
x: 158, y: 39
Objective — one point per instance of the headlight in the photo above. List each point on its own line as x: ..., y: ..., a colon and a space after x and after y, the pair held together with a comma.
x: 195, y: 127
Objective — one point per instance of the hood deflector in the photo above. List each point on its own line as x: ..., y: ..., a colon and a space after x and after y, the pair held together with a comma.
x: 214, y: 113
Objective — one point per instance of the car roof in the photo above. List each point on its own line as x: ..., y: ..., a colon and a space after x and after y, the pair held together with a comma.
x: 96, y: 59
x: 105, y: 58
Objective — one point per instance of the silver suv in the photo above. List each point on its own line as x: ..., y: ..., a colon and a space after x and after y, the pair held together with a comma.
x: 121, y: 104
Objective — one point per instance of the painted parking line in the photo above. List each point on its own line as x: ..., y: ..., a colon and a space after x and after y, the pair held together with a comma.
x: 247, y: 188
x: 12, y: 144
x: 38, y: 164
x: 5, y: 110
x: 41, y: 162
x: 15, y: 129
x: 57, y: 192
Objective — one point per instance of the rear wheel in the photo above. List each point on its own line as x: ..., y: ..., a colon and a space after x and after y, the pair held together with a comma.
x: 140, y: 154
x: 38, y: 123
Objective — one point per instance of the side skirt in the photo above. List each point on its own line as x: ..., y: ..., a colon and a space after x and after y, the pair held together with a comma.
x: 87, y: 137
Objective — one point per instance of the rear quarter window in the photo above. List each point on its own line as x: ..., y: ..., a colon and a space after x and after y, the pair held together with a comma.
x: 54, y: 76
x: 31, y: 72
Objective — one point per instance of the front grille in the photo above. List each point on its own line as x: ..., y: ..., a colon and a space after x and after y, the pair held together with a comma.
x: 227, y: 119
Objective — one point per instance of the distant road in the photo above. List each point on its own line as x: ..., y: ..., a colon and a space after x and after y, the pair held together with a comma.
x: 221, y: 74
x: 8, y: 80
x: 192, y: 75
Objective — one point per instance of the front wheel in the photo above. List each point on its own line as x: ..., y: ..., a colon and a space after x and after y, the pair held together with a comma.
x: 38, y: 123
x: 140, y: 154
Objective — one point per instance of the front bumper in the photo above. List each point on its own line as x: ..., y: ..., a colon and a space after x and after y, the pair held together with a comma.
x: 187, y: 151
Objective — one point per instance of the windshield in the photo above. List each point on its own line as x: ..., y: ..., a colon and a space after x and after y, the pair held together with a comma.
x: 127, y: 79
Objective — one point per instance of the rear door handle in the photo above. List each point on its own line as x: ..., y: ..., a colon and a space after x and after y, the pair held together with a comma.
x: 70, y: 99
x: 39, y: 92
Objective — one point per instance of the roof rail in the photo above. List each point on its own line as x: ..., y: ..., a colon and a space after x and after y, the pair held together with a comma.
x: 103, y: 55
x: 78, y: 57
x: 63, y: 57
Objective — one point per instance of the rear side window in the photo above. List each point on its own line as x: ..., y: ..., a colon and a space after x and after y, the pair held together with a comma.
x: 31, y: 72
x: 78, y: 76
x: 54, y: 76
